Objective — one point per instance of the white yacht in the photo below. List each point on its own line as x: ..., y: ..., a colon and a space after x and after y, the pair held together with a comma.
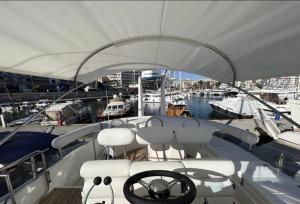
x: 144, y: 159
x: 242, y: 106
x: 65, y: 113
x: 117, y: 107
x: 6, y: 107
x: 155, y: 97
x: 151, y: 98
x: 42, y: 103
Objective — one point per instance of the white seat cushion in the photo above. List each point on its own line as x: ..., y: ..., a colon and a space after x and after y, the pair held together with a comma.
x: 155, y: 138
x: 118, y: 170
x: 155, y: 135
x: 115, y: 136
x: 103, y: 168
x: 193, y: 135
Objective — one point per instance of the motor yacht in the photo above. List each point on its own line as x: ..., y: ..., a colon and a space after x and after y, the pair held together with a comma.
x: 145, y: 159
x: 155, y: 97
x: 241, y: 106
x: 42, y: 103
x: 65, y: 113
x: 26, y: 105
x: 117, y: 107
x: 6, y: 107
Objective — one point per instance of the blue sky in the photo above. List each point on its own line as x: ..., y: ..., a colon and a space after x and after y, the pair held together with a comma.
x: 185, y: 75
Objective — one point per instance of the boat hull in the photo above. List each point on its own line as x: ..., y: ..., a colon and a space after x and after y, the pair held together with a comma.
x: 227, y: 113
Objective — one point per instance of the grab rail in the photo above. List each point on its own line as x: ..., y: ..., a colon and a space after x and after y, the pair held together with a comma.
x: 154, y: 117
x: 63, y: 140
x: 26, y: 157
x: 30, y: 156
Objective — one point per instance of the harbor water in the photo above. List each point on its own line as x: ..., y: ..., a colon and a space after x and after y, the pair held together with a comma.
x: 197, y: 105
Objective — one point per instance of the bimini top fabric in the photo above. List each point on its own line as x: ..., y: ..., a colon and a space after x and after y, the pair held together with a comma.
x: 261, y: 39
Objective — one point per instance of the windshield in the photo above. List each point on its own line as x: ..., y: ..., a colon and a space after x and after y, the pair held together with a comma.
x: 120, y: 107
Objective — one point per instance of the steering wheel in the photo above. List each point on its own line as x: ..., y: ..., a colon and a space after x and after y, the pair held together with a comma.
x: 159, y: 189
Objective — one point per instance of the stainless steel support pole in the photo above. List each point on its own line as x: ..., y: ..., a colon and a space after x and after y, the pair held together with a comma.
x: 170, y: 38
x: 60, y: 152
x: 33, y: 167
x: 44, y: 161
x: 280, y: 162
x: 47, y: 174
x: 125, y: 152
x: 10, y: 188
x: 184, y: 150
x: 164, y: 152
x: 94, y: 149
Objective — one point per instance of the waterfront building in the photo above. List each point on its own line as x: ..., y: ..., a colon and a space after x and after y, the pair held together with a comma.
x: 26, y: 83
x: 123, y: 79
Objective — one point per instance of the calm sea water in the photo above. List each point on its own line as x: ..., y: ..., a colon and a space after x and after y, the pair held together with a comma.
x: 198, y: 106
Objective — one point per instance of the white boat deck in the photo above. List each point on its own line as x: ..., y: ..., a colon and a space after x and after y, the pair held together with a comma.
x: 274, y: 187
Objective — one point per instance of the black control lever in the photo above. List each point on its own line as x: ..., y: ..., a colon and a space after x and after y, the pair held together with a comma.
x: 107, y: 181
x: 97, y: 181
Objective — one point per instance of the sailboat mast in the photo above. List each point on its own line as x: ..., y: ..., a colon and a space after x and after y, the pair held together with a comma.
x: 180, y: 81
x: 298, y: 87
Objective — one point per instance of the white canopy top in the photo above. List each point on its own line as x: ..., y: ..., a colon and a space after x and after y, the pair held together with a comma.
x: 262, y: 39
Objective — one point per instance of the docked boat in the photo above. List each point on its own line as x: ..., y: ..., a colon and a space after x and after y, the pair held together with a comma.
x: 155, y: 97
x: 178, y: 109
x: 133, y: 98
x: 6, y: 107
x: 117, y: 107
x: 65, y: 113
x: 178, y: 106
x: 145, y: 159
x: 241, y: 106
x: 26, y: 105
x: 42, y: 103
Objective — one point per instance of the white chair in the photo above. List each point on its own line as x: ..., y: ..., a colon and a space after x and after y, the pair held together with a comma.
x: 167, y: 143
x: 157, y: 141
x: 189, y: 142
x: 113, y: 137
x: 118, y: 170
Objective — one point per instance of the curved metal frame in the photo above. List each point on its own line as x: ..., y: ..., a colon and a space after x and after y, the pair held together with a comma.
x: 142, y: 38
x: 134, y: 63
x: 154, y: 117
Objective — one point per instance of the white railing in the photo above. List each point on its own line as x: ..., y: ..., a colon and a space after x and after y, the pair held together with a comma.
x: 269, y: 124
x: 6, y: 170
x: 64, y: 140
